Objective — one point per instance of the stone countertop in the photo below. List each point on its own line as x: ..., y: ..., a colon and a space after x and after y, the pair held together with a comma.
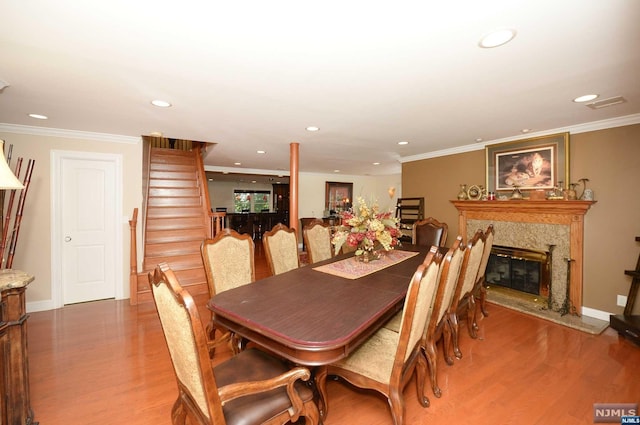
x: 10, y: 279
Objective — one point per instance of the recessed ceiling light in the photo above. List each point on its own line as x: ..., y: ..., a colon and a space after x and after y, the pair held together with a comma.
x: 479, y: 139
x: 39, y: 117
x: 237, y: 163
x: 160, y: 103
x: 376, y: 163
x: 525, y: 130
x: 313, y: 128
x: 336, y: 171
x: 497, y: 38
x: 585, y: 98
x: 403, y: 143
x: 260, y: 152
x: 253, y: 181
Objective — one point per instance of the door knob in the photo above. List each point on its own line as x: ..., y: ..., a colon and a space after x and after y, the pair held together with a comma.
x: 67, y: 239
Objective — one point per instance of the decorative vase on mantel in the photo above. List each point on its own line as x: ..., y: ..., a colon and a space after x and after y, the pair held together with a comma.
x: 462, y: 195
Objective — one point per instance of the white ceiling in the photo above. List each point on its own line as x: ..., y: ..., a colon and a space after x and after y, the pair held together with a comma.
x: 252, y: 75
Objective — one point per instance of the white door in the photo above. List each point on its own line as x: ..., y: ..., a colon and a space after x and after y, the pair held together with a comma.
x: 87, y: 227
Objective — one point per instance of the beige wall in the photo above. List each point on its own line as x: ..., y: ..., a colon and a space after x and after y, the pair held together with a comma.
x: 33, y: 249
x: 610, y: 159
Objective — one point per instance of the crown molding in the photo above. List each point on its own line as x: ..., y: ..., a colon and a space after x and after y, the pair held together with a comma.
x: 69, y: 134
x: 573, y: 129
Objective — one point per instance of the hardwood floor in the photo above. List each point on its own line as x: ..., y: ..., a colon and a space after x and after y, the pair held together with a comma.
x: 106, y: 362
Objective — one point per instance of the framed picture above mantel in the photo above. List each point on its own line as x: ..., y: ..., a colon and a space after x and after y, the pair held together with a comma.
x: 528, y: 164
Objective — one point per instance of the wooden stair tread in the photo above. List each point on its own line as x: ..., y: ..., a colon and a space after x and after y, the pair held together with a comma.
x: 176, y: 221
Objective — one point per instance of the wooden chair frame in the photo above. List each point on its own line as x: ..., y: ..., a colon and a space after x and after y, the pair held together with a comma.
x: 480, y: 289
x: 200, y: 400
x: 439, y: 326
x: 463, y: 302
x: 408, y: 356
x: 215, y: 287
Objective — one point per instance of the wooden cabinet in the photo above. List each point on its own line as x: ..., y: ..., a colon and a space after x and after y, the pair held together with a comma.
x: 16, y: 403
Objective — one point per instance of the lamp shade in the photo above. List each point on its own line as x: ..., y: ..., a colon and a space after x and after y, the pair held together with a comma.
x: 7, y: 179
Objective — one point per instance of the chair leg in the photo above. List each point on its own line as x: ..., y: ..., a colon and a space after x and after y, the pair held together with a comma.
x: 396, y: 403
x: 483, y: 299
x: 310, y: 413
x: 431, y: 355
x: 471, y: 309
x: 447, y: 343
x: 421, y: 377
x: 178, y: 414
x: 455, y: 327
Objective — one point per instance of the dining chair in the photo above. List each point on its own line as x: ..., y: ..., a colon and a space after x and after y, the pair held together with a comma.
x: 438, y: 326
x: 281, y: 249
x: 317, y: 239
x: 480, y: 289
x: 251, y: 387
x: 429, y: 232
x: 228, y: 261
x: 387, y: 360
x: 462, y: 304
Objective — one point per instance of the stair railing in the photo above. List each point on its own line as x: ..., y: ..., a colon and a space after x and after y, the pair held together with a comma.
x: 133, y: 259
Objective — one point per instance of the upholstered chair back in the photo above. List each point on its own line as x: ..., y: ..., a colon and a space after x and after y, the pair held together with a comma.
x: 281, y: 249
x: 488, y: 245
x: 228, y: 261
x: 429, y: 232
x: 417, y: 315
x: 317, y: 237
x: 476, y: 249
x: 450, y: 276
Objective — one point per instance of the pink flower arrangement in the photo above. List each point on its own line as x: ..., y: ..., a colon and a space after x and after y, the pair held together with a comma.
x: 368, y: 229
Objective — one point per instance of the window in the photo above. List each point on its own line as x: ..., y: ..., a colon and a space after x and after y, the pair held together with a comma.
x: 251, y: 200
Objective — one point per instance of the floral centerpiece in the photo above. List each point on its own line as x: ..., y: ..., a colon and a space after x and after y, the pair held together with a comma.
x: 368, y: 230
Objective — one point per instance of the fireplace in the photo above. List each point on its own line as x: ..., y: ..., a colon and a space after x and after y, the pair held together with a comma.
x: 536, y: 225
x: 524, y: 270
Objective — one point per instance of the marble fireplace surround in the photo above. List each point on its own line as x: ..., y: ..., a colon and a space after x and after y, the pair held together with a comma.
x: 536, y: 225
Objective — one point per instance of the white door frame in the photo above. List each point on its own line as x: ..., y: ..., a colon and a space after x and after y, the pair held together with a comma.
x: 57, y: 157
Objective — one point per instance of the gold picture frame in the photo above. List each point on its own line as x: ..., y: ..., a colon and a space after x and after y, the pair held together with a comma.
x: 528, y: 164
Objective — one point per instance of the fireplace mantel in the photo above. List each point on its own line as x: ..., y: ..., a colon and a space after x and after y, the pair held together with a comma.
x: 569, y: 213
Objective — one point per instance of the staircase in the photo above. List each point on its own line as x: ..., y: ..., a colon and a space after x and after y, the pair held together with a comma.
x: 177, y: 220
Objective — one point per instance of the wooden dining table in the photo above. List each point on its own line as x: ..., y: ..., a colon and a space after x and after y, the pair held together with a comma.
x: 317, y: 314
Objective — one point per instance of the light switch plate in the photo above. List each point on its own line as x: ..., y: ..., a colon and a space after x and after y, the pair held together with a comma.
x: 622, y: 300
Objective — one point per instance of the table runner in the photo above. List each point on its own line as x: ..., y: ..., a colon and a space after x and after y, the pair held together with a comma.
x: 351, y: 268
